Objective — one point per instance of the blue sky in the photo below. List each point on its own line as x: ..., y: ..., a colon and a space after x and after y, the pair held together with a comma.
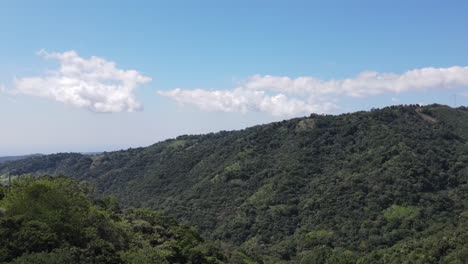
x: 235, y: 64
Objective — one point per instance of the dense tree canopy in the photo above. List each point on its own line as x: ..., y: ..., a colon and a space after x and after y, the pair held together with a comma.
x: 54, y: 220
x: 384, y: 186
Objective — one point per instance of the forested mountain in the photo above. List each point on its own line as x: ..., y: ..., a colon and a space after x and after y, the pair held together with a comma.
x: 384, y: 186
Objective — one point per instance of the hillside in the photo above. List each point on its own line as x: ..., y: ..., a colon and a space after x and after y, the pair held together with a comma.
x: 12, y: 158
x: 48, y: 220
x: 371, y: 187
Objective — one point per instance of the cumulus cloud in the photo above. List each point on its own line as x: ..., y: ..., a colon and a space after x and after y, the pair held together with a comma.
x: 95, y: 83
x: 367, y: 83
x: 242, y: 100
x: 285, y: 96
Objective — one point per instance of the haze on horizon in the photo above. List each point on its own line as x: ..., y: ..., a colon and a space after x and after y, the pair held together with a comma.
x: 96, y: 76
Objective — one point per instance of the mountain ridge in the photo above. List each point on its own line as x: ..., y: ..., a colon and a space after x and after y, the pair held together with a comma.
x: 365, y: 182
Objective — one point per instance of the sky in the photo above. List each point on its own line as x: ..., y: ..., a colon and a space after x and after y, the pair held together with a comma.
x: 86, y: 76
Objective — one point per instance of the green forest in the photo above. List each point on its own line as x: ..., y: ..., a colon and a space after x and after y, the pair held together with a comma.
x: 383, y: 186
x: 58, y: 220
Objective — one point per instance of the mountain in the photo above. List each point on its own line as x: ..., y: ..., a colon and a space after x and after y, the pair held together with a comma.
x: 384, y: 186
x: 12, y: 158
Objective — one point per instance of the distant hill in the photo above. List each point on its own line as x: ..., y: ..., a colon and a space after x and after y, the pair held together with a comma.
x: 384, y: 186
x: 12, y: 158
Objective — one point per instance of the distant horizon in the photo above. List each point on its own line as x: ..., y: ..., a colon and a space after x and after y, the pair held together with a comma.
x: 112, y: 149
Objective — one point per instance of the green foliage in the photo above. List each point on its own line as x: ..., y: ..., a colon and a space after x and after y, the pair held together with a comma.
x: 3, y: 191
x: 145, y: 256
x: 401, y: 213
x: 318, y: 237
x: 59, y: 256
x: 384, y: 186
x: 54, y: 220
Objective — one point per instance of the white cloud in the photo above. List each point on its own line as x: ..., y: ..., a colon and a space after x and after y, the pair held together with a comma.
x: 242, y: 100
x: 95, y: 83
x: 365, y: 84
x: 285, y: 96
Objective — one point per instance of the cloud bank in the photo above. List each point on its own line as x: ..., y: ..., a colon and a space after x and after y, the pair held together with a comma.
x: 95, y: 84
x: 285, y: 96
x: 243, y: 100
